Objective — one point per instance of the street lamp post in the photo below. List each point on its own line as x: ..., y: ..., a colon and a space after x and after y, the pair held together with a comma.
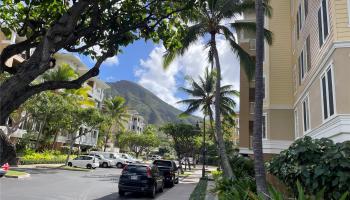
x: 204, y: 149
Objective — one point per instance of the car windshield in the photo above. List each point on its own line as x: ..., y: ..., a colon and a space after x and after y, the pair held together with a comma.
x: 135, y: 169
x: 162, y: 163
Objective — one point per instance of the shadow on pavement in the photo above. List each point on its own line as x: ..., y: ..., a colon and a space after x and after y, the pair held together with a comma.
x: 37, y: 170
x: 130, y: 196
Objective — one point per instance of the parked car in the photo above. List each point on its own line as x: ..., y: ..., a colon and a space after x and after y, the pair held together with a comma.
x: 141, y: 178
x: 155, y: 157
x: 129, y: 158
x: 169, y: 170
x: 4, y: 168
x: 104, y: 162
x: 90, y: 162
x: 190, y: 159
x: 118, y: 160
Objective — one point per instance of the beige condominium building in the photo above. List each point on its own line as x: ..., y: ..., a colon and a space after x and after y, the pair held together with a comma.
x: 306, y: 70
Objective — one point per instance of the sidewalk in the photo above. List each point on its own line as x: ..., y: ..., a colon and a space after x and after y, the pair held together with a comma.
x: 185, y: 187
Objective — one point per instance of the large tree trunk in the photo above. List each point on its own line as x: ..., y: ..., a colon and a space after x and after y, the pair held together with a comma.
x: 7, y: 150
x: 225, y: 164
x: 70, y: 149
x: 37, y: 142
x: 54, y: 141
x: 259, y: 167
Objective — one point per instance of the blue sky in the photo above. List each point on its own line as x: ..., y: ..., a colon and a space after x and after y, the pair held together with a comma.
x: 141, y: 62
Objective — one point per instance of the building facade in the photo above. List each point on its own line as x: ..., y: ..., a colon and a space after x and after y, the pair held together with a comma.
x: 136, y: 122
x: 96, y: 93
x: 304, y: 75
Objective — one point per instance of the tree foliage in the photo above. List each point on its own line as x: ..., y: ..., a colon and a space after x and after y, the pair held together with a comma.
x: 184, y: 138
x: 317, y: 164
x: 138, y: 143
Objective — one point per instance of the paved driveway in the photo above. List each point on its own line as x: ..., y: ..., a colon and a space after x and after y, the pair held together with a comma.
x: 101, y: 184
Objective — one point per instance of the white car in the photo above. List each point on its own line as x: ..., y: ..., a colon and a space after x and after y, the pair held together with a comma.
x: 155, y: 157
x: 89, y: 162
x: 129, y: 158
x: 118, y: 160
x: 104, y: 162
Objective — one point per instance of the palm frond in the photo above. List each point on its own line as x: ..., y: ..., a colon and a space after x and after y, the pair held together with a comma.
x: 192, y: 34
x: 251, y: 26
x: 246, y: 60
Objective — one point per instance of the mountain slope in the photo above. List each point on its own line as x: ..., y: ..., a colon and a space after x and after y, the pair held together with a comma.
x: 153, y: 109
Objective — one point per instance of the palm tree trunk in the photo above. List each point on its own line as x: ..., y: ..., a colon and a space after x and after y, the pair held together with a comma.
x: 259, y: 167
x: 222, y: 149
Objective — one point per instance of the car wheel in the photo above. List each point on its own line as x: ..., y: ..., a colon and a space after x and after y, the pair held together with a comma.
x: 89, y: 166
x: 121, y: 193
x: 119, y: 165
x: 104, y: 165
x: 153, y: 192
x: 70, y: 164
x: 172, y: 183
x: 162, y: 187
x: 177, y: 180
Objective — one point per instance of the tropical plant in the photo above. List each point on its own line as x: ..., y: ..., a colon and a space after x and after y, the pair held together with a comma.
x: 210, y: 18
x: 202, y: 97
x: 183, y: 139
x: 138, y: 143
x: 316, y: 163
x: 116, y: 110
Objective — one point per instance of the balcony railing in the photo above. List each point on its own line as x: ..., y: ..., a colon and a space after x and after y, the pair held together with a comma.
x: 251, y: 107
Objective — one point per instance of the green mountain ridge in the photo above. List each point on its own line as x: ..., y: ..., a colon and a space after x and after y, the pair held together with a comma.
x: 152, y: 108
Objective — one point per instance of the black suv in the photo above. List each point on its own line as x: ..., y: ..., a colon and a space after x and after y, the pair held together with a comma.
x: 141, y: 178
x: 169, y: 170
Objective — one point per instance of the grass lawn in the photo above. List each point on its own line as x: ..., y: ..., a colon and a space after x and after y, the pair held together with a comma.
x: 185, y: 174
x: 15, y: 173
x: 200, y: 190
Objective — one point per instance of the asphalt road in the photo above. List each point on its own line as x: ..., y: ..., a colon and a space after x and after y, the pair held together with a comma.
x: 99, y: 184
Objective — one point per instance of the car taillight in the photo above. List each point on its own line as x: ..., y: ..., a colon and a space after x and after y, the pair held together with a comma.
x: 5, y: 167
x: 149, y: 174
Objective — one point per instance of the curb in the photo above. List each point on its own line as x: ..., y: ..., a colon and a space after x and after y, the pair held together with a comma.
x: 18, y: 177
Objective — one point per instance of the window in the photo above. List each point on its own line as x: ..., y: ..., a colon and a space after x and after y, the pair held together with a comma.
x: 296, y: 123
x: 349, y: 11
x: 306, y: 7
x: 306, y: 114
x: 327, y: 93
x: 308, y: 53
x: 323, y: 23
x: 264, y: 126
x: 304, y: 60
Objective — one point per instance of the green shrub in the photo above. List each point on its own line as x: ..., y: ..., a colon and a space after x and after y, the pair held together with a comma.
x: 235, y: 189
x: 242, y: 166
x: 46, y: 157
x: 316, y: 164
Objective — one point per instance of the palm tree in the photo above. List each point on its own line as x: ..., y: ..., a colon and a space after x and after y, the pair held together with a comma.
x: 116, y: 110
x: 203, y: 97
x: 65, y: 73
x: 260, y: 176
x: 209, y: 19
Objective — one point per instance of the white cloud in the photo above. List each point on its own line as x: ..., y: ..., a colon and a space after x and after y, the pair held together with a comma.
x: 112, y: 61
x: 110, y: 78
x: 165, y: 83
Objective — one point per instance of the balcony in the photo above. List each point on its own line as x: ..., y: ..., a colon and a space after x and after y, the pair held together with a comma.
x: 251, y: 107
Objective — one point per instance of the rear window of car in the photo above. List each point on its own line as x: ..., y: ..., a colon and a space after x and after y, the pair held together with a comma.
x: 133, y: 169
x: 162, y: 163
